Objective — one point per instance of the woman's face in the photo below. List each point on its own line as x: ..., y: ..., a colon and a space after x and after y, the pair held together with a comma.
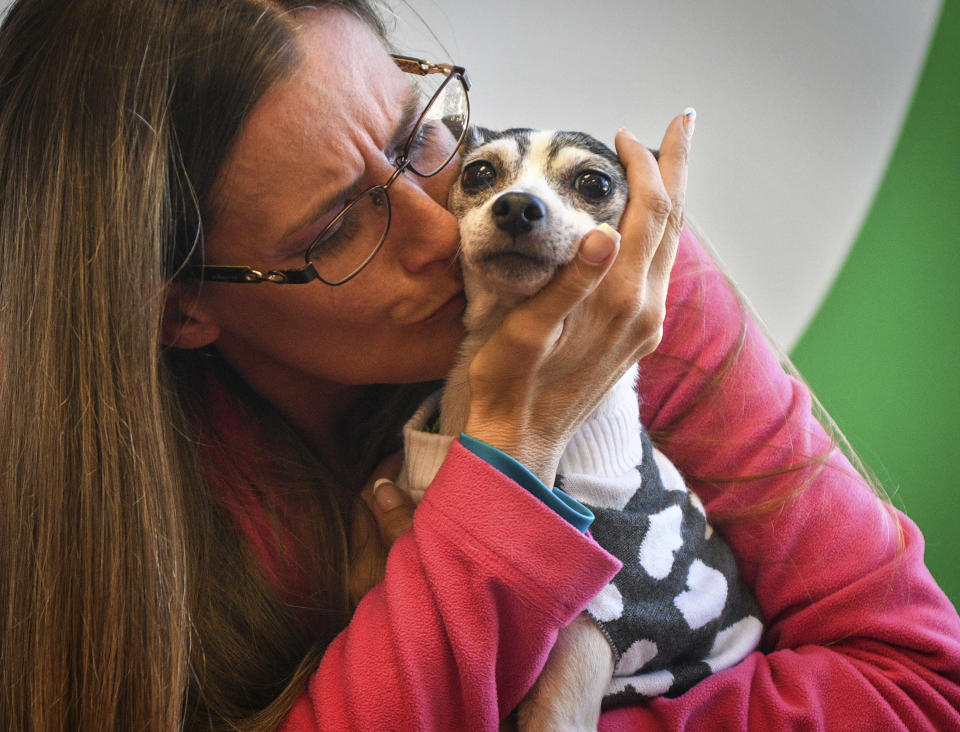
x: 328, y: 129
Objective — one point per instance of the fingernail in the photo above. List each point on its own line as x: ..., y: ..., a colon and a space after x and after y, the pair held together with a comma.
x: 596, y: 249
x: 386, y: 494
x: 689, y: 121
x: 624, y: 131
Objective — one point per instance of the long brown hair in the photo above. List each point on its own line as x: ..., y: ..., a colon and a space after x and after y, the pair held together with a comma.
x: 127, y: 601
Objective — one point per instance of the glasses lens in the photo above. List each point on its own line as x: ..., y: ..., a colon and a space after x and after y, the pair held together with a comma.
x: 352, y: 238
x: 442, y: 126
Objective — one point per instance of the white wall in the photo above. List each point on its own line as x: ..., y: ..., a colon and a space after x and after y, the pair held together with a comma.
x: 799, y: 105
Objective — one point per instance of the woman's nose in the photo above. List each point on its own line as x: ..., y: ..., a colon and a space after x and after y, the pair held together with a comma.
x: 422, y: 230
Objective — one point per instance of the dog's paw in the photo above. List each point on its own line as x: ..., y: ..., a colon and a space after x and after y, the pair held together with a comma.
x: 570, y: 689
x: 534, y: 717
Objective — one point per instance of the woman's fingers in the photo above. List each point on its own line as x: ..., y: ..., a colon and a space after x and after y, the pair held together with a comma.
x: 675, y: 153
x: 393, y: 510
x: 374, y: 531
x: 391, y: 507
x: 654, y: 214
x: 572, y: 284
x: 648, y: 204
x: 651, y: 223
x: 673, y: 160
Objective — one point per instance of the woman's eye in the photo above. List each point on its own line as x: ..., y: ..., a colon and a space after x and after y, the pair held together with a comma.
x: 423, y: 145
x: 478, y: 175
x: 592, y: 185
x: 336, y: 236
x: 378, y: 198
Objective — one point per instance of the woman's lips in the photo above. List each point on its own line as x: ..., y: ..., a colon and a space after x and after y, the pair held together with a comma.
x: 451, y: 308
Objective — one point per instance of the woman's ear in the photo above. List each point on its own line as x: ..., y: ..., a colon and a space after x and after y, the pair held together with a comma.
x: 186, y: 324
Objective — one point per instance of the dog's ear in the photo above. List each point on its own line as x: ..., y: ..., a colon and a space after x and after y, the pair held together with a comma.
x: 476, y: 136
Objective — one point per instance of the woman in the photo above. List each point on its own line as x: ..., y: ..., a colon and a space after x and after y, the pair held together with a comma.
x: 185, y: 447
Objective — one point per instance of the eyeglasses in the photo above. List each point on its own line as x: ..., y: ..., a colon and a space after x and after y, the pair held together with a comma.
x: 354, y: 236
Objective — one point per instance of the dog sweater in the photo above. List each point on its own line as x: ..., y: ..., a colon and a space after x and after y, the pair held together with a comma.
x: 676, y: 611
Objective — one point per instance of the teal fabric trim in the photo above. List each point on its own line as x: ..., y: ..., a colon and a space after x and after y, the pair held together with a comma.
x: 570, y: 509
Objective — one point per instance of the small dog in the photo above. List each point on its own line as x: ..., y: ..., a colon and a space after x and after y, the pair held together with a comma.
x: 677, y: 611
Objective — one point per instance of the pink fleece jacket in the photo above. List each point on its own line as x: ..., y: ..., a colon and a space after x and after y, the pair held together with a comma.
x: 858, y: 635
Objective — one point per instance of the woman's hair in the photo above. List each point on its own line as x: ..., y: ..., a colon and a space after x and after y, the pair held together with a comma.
x: 128, y: 601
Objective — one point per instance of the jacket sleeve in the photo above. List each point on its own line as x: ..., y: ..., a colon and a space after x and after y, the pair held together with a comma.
x: 857, y: 633
x: 472, y: 600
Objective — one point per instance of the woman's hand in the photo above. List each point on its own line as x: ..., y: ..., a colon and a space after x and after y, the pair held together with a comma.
x: 386, y: 513
x: 555, y: 356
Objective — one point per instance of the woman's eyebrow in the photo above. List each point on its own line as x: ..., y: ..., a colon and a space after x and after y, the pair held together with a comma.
x: 325, y: 206
x: 410, y: 110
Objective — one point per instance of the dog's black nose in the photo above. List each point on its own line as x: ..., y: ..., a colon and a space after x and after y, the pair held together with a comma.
x: 517, y: 213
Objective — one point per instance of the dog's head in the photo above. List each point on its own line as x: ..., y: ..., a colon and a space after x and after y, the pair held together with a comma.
x: 525, y: 198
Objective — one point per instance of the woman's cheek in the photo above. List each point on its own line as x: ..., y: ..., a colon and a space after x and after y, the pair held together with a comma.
x: 439, y: 186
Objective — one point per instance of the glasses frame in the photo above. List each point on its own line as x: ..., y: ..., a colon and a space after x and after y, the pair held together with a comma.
x: 308, y: 273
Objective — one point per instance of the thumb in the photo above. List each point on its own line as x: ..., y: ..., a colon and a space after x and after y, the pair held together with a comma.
x: 393, y: 510
x: 578, y: 279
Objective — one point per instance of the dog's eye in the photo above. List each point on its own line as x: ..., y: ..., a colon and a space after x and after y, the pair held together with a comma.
x: 479, y: 174
x: 593, y: 185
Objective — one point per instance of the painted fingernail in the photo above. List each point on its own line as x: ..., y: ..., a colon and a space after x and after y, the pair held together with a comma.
x: 689, y: 120
x: 596, y: 249
x: 386, y: 494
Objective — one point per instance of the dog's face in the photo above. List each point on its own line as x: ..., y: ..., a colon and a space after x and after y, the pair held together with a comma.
x: 525, y: 198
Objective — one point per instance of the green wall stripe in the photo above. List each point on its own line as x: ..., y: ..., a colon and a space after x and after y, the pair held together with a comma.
x: 883, y: 351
